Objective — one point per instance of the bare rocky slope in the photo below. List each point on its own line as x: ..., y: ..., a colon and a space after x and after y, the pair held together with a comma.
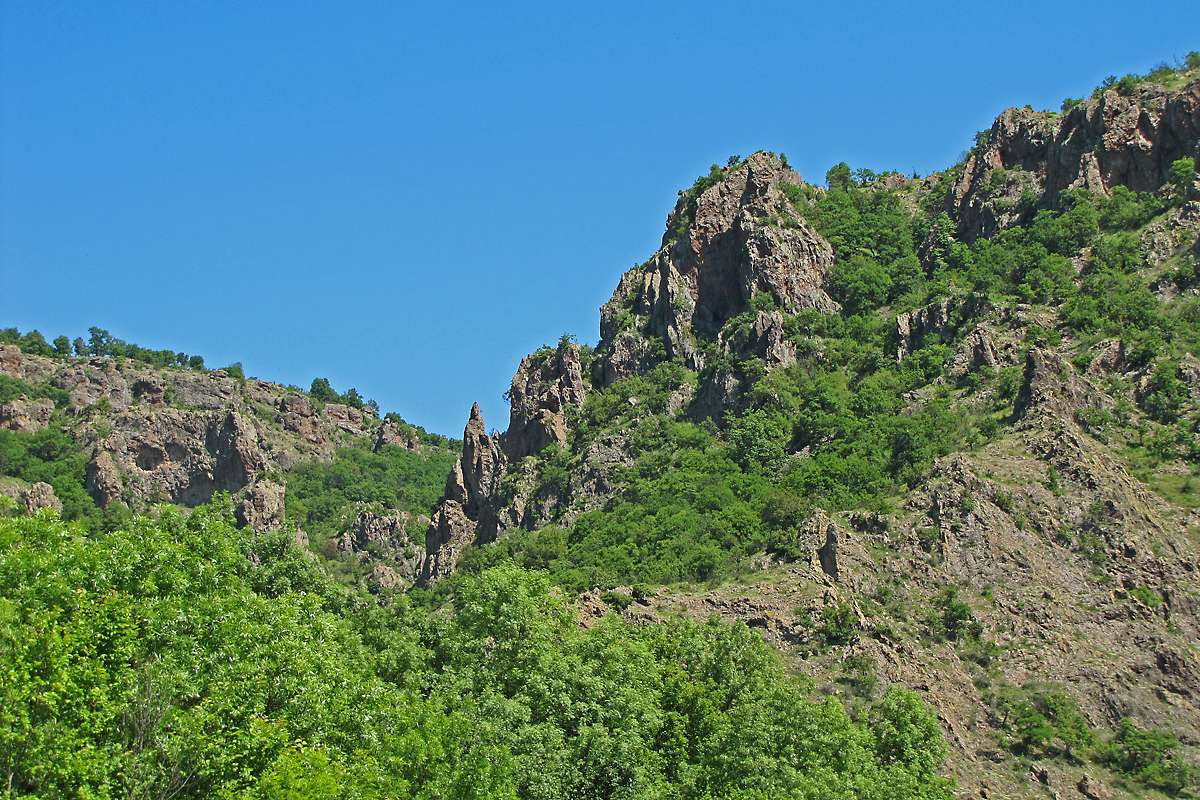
x: 1045, y: 556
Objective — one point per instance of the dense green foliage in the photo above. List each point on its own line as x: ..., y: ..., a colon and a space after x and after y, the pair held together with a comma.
x: 163, y: 660
x: 323, y: 497
x: 1149, y: 756
x: 322, y: 392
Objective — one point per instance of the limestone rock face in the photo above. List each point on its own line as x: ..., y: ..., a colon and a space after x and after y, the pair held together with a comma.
x: 1111, y: 140
x: 543, y: 388
x: 737, y: 238
x: 25, y: 415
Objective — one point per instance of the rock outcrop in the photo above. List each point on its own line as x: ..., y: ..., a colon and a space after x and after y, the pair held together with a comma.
x: 25, y: 415
x: 545, y: 386
x: 383, y: 539
x: 737, y: 238
x: 1052, y: 387
x: 473, y: 508
x: 262, y: 506
x: 942, y: 318
x: 178, y: 435
x: 39, y: 496
x: 467, y: 511
x: 1107, y: 141
x: 390, y: 433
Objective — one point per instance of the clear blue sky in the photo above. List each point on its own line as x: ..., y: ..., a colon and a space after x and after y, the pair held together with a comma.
x: 408, y: 197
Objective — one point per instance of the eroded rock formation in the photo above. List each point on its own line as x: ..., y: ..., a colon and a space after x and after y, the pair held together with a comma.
x: 735, y: 239
x: 1107, y: 141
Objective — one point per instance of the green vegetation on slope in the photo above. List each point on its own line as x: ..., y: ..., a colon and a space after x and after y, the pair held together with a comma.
x: 181, y: 657
x: 323, y: 497
x: 847, y: 427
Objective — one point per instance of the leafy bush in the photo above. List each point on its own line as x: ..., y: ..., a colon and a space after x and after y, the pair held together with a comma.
x: 1165, y: 393
x: 953, y: 619
x: 52, y: 456
x: 1149, y: 756
x: 100, y: 343
x: 838, y: 624
x: 1181, y: 175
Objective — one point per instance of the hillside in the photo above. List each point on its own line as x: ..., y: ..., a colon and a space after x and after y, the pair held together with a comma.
x: 928, y: 437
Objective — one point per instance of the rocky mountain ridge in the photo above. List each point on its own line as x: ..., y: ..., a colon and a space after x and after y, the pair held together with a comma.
x: 1084, y: 576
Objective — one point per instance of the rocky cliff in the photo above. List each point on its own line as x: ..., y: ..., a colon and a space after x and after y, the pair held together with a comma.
x: 736, y: 238
x: 1028, y: 157
x: 179, y: 436
x: 724, y: 244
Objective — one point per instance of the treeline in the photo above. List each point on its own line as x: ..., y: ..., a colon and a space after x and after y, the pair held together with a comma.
x: 102, y: 343
x: 99, y: 343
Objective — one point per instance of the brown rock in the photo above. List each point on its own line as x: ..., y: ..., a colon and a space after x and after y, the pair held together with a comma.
x: 1107, y: 141
x: 237, y: 458
x: 344, y: 418
x: 1050, y: 386
x: 103, y: 479
x: 386, y: 530
x: 450, y: 531
x: 262, y: 506
x: 738, y: 238
x: 545, y: 386
x: 1092, y: 789
x: 942, y: 318
x: 297, y: 416
x: 25, y: 415
x: 389, y: 433
x: 149, y: 390
x: 468, y: 510
x: 10, y: 361
x: 39, y: 496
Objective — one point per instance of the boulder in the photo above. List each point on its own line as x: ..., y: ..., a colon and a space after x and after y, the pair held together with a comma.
x: 39, y: 496
x: 262, y: 506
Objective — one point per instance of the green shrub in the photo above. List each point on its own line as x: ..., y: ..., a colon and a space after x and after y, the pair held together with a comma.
x: 839, y: 623
x: 1149, y: 756
x: 953, y: 619
x: 1181, y: 175
x: 1165, y: 393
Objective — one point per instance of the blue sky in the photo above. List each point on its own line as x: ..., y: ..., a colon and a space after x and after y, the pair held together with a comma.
x: 407, y: 198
